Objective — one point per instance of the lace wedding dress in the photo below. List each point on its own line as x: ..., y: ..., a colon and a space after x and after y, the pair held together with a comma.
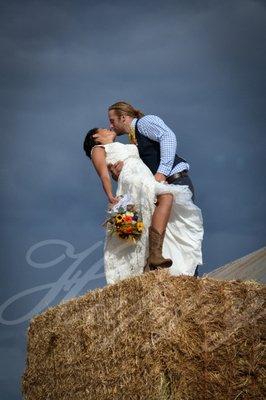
x: 184, y: 232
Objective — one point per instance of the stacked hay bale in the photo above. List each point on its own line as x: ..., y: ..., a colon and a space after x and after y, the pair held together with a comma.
x: 151, y: 337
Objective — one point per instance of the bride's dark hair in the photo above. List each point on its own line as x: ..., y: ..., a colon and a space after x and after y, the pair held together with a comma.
x: 89, y: 141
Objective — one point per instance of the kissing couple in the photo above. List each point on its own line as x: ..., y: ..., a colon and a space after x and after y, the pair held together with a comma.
x: 156, y: 178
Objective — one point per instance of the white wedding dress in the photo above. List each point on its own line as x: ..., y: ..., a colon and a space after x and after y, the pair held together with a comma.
x: 184, y: 232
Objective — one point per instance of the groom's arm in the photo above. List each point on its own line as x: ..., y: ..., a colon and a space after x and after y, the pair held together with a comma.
x: 154, y: 128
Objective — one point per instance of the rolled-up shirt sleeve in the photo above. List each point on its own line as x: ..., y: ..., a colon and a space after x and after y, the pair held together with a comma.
x: 154, y: 128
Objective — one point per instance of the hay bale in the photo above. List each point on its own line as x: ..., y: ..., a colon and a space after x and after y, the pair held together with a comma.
x: 151, y: 337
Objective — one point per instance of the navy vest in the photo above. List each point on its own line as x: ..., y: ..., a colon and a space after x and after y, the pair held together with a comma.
x: 149, y: 151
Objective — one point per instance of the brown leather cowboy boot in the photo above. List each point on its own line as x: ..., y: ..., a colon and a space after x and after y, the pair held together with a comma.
x: 155, y: 259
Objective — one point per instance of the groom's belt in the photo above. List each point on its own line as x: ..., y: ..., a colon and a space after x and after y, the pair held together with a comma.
x: 173, y: 177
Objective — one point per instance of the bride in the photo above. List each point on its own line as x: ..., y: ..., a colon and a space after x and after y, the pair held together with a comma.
x: 179, y: 247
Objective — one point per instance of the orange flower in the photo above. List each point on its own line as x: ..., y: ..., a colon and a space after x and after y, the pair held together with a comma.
x: 127, y: 229
x: 127, y: 218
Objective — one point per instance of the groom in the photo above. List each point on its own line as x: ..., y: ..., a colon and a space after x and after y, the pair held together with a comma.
x: 156, y: 145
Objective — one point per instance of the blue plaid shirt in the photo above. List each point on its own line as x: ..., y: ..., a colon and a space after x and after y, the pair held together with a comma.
x: 155, y: 129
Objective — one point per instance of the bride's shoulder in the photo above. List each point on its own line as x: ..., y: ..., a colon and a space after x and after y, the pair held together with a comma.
x: 98, y: 146
x: 107, y: 146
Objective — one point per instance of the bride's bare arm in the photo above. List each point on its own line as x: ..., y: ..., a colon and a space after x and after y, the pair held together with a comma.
x: 99, y: 161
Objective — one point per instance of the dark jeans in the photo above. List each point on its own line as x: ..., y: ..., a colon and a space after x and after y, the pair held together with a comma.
x: 185, y: 180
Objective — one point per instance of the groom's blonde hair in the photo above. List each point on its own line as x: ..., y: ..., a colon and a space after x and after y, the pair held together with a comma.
x: 123, y: 108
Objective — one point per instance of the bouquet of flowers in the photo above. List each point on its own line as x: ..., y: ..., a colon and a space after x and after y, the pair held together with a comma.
x: 124, y: 220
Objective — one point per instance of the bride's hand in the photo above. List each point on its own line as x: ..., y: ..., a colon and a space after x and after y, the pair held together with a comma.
x: 113, y: 200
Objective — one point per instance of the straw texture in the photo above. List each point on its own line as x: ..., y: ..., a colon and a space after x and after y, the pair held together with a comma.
x: 151, y: 337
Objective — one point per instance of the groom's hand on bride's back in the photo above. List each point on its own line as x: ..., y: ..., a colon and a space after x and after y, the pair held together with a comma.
x: 115, y: 169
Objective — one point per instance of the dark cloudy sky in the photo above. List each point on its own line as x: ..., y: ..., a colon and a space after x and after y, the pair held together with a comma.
x: 199, y: 65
